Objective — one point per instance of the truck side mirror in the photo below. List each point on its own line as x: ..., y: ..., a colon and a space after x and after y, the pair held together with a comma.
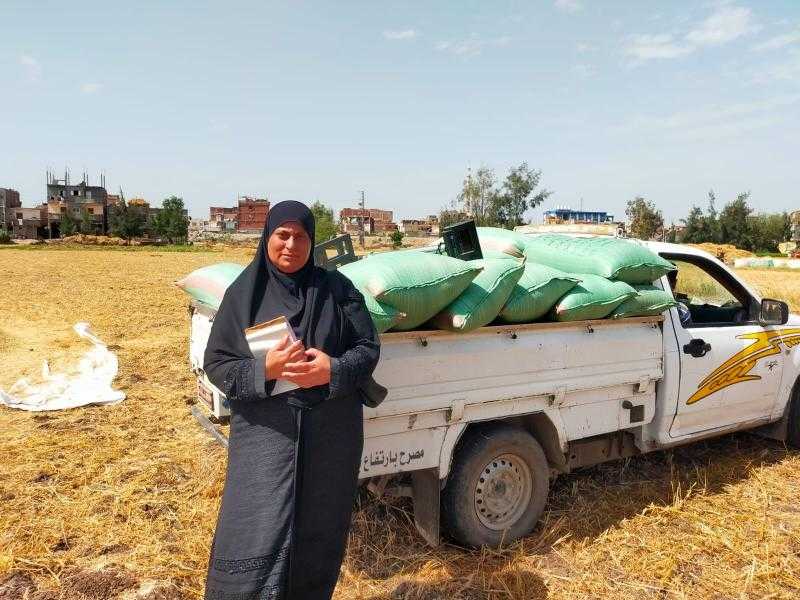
x: 773, y: 312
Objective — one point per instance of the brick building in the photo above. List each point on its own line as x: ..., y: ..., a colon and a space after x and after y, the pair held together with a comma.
x: 252, y: 214
x: 375, y: 220
x: 248, y: 216
x: 9, y: 200
x: 222, y: 219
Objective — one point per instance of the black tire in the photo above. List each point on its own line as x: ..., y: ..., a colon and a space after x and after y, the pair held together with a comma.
x: 793, y: 418
x: 510, y: 460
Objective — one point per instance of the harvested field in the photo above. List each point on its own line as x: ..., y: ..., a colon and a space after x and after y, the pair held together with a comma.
x: 120, y: 501
x: 725, y: 252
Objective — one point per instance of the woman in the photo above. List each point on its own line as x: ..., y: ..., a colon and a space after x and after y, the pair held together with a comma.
x: 293, y: 458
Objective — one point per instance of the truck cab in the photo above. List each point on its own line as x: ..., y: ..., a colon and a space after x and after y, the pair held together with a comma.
x: 727, y: 352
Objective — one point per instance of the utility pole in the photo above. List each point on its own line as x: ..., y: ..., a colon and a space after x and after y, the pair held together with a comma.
x: 361, y: 221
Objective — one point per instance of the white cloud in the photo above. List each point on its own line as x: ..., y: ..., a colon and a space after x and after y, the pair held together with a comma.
x: 716, y: 121
x: 31, y: 66
x: 404, y: 34
x: 584, y: 70
x: 788, y: 70
x: 583, y: 47
x: 647, y: 47
x: 471, y: 46
x: 779, y: 41
x: 724, y: 25
x: 570, y: 6
x: 91, y: 88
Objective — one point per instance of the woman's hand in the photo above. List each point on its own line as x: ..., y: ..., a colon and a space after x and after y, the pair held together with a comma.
x: 280, y: 354
x: 316, y: 370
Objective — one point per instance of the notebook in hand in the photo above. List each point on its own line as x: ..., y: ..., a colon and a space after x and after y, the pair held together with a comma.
x: 264, y: 336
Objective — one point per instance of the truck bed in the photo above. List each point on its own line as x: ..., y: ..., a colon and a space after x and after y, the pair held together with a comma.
x: 578, y: 373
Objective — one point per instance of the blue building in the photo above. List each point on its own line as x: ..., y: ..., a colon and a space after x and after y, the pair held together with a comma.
x: 567, y: 215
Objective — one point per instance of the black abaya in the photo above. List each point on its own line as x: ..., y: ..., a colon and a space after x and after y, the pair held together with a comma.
x: 293, y: 458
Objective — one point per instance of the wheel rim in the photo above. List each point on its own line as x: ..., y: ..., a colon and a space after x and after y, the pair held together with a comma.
x: 503, y: 491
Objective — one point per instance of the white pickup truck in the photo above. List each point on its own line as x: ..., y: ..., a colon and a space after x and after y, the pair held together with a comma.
x: 476, y: 425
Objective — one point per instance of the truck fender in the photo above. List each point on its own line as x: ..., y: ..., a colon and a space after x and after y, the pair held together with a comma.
x: 789, y: 379
x: 779, y: 429
x: 454, y: 433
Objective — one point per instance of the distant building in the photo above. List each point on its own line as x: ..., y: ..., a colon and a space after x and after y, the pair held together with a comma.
x: 248, y: 216
x: 29, y: 223
x: 567, y: 215
x: 222, y: 219
x: 9, y: 200
x: 416, y: 227
x: 252, y: 214
x: 420, y: 227
x: 79, y: 201
x: 375, y: 220
x: 384, y: 226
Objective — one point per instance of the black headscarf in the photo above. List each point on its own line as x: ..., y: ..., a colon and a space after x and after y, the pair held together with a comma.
x: 263, y: 292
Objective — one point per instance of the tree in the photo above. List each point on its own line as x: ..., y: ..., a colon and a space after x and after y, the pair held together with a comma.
x: 733, y: 223
x: 646, y: 220
x: 170, y: 222
x: 767, y: 231
x: 694, y: 223
x: 85, y: 225
x: 125, y: 222
x: 397, y: 238
x: 711, y: 220
x: 325, y: 227
x: 477, y: 195
x: 68, y: 224
x: 672, y: 234
x: 449, y: 217
x: 508, y: 207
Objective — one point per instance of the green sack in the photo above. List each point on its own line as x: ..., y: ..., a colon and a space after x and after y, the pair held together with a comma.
x: 419, y: 284
x: 649, y: 301
x: 208, y: 284
x: 383, y: 316
x: 502, y: 240
x: 536, y: 292
x: 609, y: 257
x: 483, y: 298
x: 491, y: 240
x: 594, y: 297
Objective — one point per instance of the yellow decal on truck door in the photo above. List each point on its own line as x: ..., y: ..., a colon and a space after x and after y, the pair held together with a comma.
x: 737, y: 368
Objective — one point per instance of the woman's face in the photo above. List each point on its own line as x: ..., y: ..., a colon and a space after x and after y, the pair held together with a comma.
x: 289, y: 246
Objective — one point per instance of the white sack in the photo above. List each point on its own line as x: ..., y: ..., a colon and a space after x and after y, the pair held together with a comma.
x: 90, y: 385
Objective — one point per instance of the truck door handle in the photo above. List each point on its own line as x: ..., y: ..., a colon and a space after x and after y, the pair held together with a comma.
x: 697, y: 348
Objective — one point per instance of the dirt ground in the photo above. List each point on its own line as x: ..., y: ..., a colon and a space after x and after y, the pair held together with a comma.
x: 120, y: 501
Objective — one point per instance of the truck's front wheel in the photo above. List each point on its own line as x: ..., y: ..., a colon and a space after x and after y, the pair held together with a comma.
x: 497, y: 488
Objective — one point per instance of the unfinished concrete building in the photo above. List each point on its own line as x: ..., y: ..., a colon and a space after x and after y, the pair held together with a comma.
x: 81, y: 201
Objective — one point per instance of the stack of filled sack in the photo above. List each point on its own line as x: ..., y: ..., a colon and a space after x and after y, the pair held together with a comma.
x: 520, y: 279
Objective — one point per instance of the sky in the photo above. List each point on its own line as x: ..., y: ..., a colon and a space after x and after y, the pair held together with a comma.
x: 320, y: 100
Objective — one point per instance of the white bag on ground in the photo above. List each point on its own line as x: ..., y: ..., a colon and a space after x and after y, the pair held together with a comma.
x: 90, y: 385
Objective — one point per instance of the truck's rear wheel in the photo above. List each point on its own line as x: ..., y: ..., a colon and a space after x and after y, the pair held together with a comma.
x: 497, y: 487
